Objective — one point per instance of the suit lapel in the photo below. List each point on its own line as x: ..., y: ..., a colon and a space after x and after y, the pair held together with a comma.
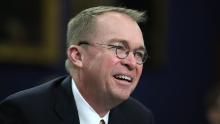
x: 64, y: 103
x: 117, y: 117
x: 65, y: 107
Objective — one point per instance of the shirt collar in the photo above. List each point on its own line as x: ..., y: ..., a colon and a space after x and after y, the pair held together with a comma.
x: 87, y: 114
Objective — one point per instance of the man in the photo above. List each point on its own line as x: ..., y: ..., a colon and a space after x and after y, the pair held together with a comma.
x: 106, y: 52
x: 213, y: 105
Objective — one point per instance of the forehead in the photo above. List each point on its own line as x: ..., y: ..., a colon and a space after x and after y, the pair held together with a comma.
x: 115, y: 25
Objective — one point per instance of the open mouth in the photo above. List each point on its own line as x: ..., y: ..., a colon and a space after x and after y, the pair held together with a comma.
x: 123, y: 77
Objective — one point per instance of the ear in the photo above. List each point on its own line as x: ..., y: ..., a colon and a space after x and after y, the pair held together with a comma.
x: 74, y: 55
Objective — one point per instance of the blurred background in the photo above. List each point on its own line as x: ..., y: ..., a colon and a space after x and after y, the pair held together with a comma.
x: 182, y: 37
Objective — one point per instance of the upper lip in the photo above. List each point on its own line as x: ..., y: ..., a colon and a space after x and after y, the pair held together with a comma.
x: 127, y: 77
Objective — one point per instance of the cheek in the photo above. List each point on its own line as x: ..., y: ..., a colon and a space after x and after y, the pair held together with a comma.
x: 140, y: 69
x: 100, y: 64
x: 93, y: 60
x: 139, y: 72
x: 108, y: 61
x: 106, y: 68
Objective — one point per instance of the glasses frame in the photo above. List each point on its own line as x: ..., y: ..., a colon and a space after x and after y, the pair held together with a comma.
x: 143, y: 60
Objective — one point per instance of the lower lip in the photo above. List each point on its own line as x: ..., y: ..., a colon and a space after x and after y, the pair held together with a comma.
x: 122, y: 82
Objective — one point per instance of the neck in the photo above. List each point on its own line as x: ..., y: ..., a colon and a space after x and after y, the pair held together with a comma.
x: 100, y: 102
x: 100, y: 105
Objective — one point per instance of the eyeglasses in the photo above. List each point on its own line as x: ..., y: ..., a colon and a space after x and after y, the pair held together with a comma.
x: 122, y: 52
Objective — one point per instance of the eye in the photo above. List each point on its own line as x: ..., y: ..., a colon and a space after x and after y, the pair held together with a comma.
x: 140, y: 54
x: 119, y: 47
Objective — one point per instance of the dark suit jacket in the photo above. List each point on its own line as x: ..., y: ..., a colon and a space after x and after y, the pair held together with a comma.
x: 53, y: 103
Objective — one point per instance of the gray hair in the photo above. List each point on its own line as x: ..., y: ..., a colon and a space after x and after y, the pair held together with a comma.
x: 82, y: 24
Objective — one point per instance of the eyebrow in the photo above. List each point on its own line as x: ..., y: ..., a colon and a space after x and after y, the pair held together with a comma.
x: 125, y: 42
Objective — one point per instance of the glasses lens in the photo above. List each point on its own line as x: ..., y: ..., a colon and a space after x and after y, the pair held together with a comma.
x: 140, y: 56
x: 121, y: 52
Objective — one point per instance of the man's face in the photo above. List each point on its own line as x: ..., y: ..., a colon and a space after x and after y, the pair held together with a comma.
x: 105, y: 75
x: 213, y: 115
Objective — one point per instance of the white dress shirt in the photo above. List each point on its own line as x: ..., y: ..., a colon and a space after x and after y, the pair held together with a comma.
x: 87, y: 115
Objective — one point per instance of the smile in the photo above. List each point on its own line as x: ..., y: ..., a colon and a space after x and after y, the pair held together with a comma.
x: 123, y: 77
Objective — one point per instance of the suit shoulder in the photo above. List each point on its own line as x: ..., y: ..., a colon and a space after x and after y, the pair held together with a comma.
x: 135, y: 111
x: 33, y: 93
x: 33, y: 104
x: 134, y: 105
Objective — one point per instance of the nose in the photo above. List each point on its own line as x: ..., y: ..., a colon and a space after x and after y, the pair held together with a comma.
x: 129, y: 62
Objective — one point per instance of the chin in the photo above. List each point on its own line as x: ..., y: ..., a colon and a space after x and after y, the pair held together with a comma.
x: 117, y: 98
x: 123, y: 97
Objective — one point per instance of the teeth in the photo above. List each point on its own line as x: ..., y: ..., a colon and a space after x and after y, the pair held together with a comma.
x: 123, y: 77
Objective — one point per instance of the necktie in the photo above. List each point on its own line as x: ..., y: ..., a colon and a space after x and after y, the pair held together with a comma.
x: 102, y: 122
